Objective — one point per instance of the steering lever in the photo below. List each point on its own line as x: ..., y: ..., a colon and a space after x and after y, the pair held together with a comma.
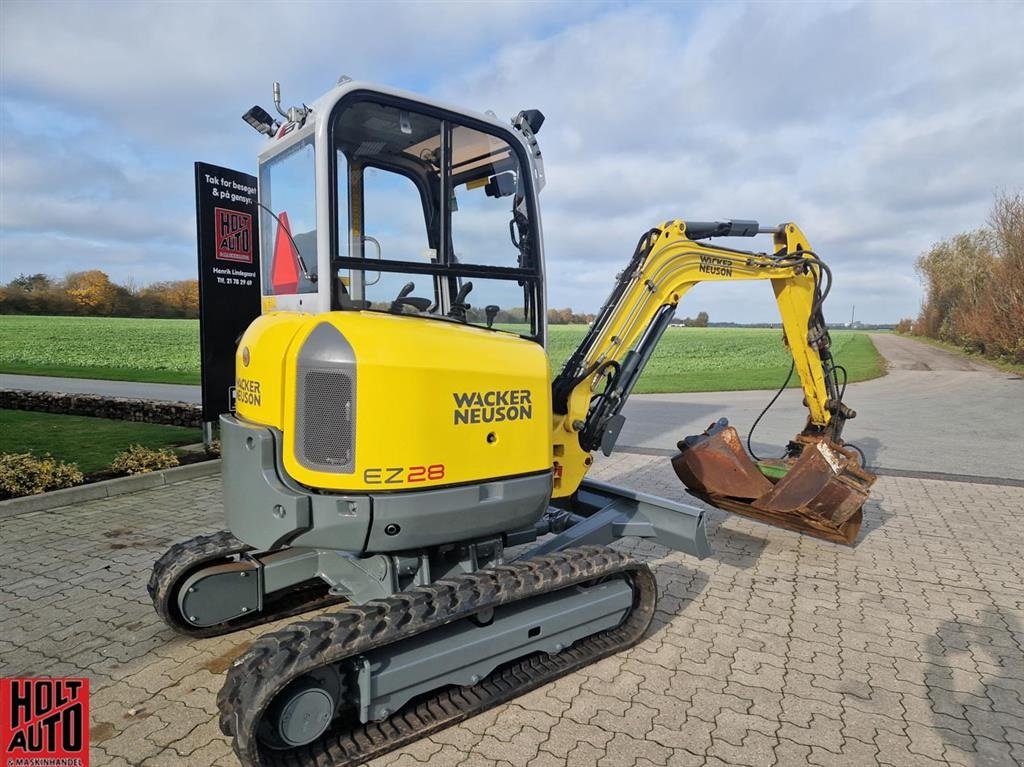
x: 404, y: 299
x: 460, y: 306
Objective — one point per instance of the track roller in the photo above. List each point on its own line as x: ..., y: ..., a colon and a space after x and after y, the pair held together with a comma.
x: 221, y: 552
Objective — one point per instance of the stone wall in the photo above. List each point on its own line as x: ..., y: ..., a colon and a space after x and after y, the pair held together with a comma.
x: 119, y: 408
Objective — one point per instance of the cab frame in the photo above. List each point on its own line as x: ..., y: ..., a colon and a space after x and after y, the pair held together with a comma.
x: 320, y: 126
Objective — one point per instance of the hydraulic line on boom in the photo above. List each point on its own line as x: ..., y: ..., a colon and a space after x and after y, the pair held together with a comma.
x: 820, y: 486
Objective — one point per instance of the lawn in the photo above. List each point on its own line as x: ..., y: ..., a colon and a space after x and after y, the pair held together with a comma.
x: 687, y: 359
x: 111, y: 348
x: 92, y: 443
x: 726, y: 359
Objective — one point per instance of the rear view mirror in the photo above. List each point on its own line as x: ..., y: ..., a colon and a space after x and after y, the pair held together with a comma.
x: 501, y: 185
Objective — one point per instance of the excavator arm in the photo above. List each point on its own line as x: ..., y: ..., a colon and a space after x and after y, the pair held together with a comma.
x: 820, y: 486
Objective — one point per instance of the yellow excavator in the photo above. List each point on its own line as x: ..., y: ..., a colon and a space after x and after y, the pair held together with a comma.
x: 401, y: 453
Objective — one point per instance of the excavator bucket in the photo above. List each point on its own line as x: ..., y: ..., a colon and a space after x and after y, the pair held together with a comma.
x: 820, y: 492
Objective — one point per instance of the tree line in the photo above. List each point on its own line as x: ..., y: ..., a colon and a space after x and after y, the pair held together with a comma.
x: 974, y: 286
x: 93, y: 294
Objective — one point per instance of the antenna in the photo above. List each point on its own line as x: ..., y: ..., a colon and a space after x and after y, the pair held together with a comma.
x: 294, y: 114
x: 277, y: 100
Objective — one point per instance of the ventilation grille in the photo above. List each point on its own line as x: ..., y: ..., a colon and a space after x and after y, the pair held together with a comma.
x: 328, y: 414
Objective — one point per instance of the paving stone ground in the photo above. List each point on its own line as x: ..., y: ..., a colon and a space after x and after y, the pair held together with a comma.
x: 777, y: 650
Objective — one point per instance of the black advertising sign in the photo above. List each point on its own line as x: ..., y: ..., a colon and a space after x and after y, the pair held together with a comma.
x: 229, y: 276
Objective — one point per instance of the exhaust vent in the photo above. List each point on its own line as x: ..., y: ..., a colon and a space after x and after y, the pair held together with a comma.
x: 327, y: 438
x: 325, y: 421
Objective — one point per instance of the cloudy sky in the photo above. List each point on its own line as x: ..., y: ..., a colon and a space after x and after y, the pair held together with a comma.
x: 879, y: 128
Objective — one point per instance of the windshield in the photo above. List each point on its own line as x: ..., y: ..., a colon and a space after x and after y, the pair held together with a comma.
x: 433, y: 219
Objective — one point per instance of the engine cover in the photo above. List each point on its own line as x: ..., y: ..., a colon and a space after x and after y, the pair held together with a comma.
x: 367, y: 401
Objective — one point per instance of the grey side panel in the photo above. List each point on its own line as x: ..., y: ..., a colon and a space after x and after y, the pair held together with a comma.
x: 339, y: 522
x: 287, y: 567
x: 463, y: 653
x: 261, y: 511
x: 432, y: 517
x: 326, y: 386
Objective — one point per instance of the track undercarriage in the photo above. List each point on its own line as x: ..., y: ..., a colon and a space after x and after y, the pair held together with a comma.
x: 320, y: 692
x: 465, y: 630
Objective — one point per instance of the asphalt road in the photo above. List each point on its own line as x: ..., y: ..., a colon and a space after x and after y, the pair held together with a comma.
x: 157, y: 391
x: 933, y: 412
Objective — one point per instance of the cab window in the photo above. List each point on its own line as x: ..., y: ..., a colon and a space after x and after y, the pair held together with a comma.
x: 288, y: 221
x: 433, y: 219
x: 485, y: 177
x: 394, y: 229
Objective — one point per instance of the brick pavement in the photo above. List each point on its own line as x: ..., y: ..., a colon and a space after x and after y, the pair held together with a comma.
x: 778, y: 650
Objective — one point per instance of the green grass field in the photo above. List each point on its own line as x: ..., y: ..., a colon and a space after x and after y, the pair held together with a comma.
x: 92, y: 443
x: 167, y: 351
x: 112, y: 348
x: 726, y: 359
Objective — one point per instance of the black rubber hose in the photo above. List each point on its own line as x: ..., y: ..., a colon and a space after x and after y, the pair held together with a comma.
x: 792, y: 367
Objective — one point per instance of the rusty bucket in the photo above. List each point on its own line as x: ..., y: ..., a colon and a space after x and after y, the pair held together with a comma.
x: 819, y: 492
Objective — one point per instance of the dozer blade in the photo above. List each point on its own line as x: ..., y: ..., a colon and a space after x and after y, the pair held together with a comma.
x: 819, y: 493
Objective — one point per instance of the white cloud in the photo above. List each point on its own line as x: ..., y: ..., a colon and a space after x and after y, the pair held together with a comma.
x: 879, y: 128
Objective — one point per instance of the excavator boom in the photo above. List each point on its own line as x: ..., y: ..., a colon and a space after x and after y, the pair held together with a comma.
x: 819, y: 487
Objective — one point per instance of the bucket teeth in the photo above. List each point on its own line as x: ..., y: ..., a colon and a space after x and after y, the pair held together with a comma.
x: 820, y: 493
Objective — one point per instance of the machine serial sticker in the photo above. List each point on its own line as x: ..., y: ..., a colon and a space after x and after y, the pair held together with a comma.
x: 492, y: 406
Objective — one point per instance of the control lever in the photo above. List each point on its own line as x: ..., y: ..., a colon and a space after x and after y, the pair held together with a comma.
x: 459, y: 305
x: 404, y: 299
x: 491, y: 311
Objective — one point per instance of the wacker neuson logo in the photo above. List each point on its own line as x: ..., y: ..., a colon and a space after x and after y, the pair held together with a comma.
x: 716, y: 265
x: 492, y: 406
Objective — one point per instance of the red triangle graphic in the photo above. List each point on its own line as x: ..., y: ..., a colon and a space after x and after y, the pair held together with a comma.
x: 284, y: 272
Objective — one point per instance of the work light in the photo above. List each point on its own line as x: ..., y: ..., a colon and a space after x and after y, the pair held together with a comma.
x: 260, y: 120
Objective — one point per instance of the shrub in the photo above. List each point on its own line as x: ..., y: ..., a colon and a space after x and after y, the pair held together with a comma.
x: 140, y: 460
x: 24, y: 474
x: 905, y: 326
x: 213, y: 449
x: 974, y: 285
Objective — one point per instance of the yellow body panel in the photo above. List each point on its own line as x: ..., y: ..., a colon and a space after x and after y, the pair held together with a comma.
x: 409, y: 371
x: 436, y: 403
x: 260, y: 367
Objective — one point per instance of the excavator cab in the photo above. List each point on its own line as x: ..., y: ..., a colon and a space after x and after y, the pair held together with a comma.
x: 387, y: 204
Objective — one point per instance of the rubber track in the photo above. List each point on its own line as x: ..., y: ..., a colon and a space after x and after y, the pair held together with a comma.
x: 278, y: 658
x: 184, y: 558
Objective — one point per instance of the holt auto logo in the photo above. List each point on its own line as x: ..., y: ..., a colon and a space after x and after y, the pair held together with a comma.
x: 44, y: 722
x: 234, y: 235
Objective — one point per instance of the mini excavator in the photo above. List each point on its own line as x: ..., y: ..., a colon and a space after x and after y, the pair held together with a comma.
x: 400, y: 454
